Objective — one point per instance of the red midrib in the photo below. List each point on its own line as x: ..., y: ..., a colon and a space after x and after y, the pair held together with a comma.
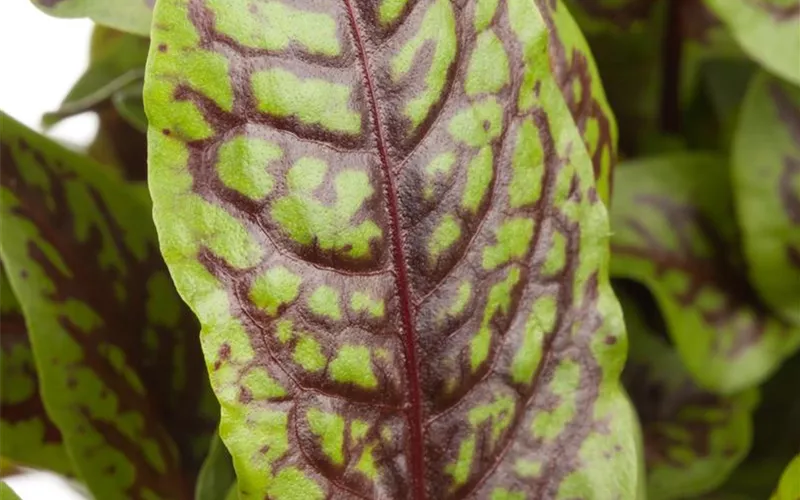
x: 414, y: 412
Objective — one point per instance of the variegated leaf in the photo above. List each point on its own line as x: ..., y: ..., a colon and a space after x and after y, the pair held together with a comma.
x: 29, y: 437
x: 693, y: 439
x: 386, y: 220
x: 120, y: 370
x: 766, y: 185
x: 768, y: 30
x: 131, y: 16
x: 674, y: 231
x: 789, y: 486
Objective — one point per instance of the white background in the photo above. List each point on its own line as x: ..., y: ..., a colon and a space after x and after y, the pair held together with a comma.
x: 40, y: 59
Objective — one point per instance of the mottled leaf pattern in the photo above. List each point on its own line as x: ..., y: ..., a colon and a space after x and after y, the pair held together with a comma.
x: 131, y: 16
x: 104, y: 322
x: 387, y: 222
x: 768, y: 30
x: 789, y: 486
x: 693, y: 438
x: 579, y: 80
x: 625, y: 38
x: 766, y: 180
x: 29, y: 437
x: 674, y: 231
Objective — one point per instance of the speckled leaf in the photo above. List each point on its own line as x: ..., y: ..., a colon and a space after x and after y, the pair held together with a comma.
x: 6, y: 493
x: 693, y: 438
x: 625, y: 37
x: 766, y: 185
x: 120, y: 372
x: 674, y: 231
x: 217, y: 476
x: 29, y: 437
x: 768, y: 30
x: 131, y: 16
x: 579, y: 80
x: 388, y: 224
x: 789, y: 486
x: 117, y: 61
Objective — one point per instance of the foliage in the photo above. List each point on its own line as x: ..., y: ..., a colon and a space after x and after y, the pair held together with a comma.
x: 414, y: 235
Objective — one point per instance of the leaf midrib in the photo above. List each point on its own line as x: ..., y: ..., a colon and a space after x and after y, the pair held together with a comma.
x: 414, y: 411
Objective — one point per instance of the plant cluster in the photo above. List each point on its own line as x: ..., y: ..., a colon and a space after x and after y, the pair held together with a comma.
x: 428, y: 249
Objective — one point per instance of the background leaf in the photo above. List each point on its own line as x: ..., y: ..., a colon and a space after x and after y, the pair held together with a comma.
x: 104, y: 322
x: 6, y: 493
x: 768, y: 30
x: 217, y: 476
x: 766, y: 184
x: 386, y: 221
x: 693, y: 439
x: 674, y: 231
x: 30, y: 438
x: 132, y: 16
x: 789, y: 486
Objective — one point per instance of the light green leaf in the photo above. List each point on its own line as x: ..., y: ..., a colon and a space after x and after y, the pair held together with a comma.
x: 674, y: 231
x: 768, y: 30
x: 6, y: 493
x: 131, y: 16
x: 789, y: 486
x: 766, y: 188
x: 217, y: 477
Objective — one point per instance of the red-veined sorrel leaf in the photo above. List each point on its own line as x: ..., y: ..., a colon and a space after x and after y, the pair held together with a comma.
x: 766, y: 187
x: 674, y: 231
x: 29, y: 437
x: 625, y: 38
x: 216, y: 477
x: 577, y: 77
x: 768, y: 30
x: 6, y: 493
x: 386, y: 220
x: 104, y: 321
x: 131, y: 16
x: 789, y: 486
x: 693, y: 439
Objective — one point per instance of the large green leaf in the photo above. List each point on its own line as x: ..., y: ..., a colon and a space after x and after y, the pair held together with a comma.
x: 766, y: 184
x: 693, y: 438
x: 579, y: 80
x: 674, y: 231
x: 789, y: 486
x: 768, y: 30
x: 386, y: 220
x: 29, y: 437
x: 132, y: 16
x: 120, y: 371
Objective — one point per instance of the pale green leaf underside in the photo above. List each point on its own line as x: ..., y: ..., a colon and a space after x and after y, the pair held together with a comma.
x: 132, y: 16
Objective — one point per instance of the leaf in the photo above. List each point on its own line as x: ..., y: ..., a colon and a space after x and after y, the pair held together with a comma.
x: 768, y: 30
x: 766, y: 186
x: 579, y: 80
x: 693, y: 438
x: 386, y: 221
x: 217, y: 476
x: 131, y: 16
x: 673, y: 231
x: 30, y: 438
x: 120, y: 373
x: 789, y: 486
x: 114, y: 70
x: 6, y: 493
x: 120, y: 145
x: 625, y: 38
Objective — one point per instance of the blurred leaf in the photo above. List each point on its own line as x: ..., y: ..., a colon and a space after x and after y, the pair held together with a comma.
x: 217, y: 476
x: 131, y: 16
x: 768, y: 30
x: 693, y: 438
x: 789, y: 486
x: 6, y: 493
x: 119, y: 364
x: 28, y: 437
x: 766, y: 185
x: 674, y: 231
